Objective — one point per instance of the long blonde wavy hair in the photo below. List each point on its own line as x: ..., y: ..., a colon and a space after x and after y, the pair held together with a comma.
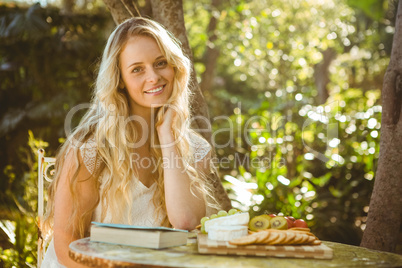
x: 113, y: 138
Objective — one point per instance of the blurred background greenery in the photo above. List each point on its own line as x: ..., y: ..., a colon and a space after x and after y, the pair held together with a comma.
x: 293, y: 89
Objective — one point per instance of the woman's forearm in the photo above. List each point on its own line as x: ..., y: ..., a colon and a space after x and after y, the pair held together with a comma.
x: 184, y: 208
x: 62, y: 241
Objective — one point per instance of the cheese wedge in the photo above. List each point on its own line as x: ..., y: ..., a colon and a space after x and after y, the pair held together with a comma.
x: 236, y: 219
x: 227, y: 233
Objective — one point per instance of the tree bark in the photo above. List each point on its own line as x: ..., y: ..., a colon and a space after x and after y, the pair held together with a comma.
x: 170, y: 14
x: 321, y: 75
x: 385, y: 210
x: 120, y: 12
x: 212, y: 52
x: 125, y: 9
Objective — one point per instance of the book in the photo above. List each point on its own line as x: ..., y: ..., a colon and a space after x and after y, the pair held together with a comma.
x: 139, y: 236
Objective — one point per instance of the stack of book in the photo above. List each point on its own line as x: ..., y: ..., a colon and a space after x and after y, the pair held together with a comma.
x: 139, y: 236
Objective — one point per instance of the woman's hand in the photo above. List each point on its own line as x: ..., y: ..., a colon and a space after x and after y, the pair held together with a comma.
x: 165, y: 128
x: 184, y: 207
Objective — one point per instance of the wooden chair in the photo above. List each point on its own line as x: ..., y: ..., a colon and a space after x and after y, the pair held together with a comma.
x: 45, y: 171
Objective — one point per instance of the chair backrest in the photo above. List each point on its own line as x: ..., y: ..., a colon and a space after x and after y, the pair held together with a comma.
x: 45, y: 172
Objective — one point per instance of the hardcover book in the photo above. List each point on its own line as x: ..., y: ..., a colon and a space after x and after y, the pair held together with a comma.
x: 139, y: 236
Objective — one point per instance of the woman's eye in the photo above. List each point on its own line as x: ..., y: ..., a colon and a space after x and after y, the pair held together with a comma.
x: 161, y: 63
x: 136, y: 70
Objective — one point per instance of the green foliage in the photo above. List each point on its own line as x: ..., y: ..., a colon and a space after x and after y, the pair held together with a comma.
x: 20, y: 226
x: 284, y: 152
x: 23, y: 252
x: 47, y: 63
x: 372, y: 8
x: 329, y: 152
x: 45, y: 70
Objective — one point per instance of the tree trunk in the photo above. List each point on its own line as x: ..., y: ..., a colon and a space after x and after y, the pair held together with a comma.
x: 385, y: 211
x: 120, y: 12
x: 212, y: 52
x: 321, y: 75
x: 170, y: 14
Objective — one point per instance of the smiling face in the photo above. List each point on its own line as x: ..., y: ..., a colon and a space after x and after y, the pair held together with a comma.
x: 146, y: 74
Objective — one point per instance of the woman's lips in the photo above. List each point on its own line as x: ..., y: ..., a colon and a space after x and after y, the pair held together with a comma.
x: 155, y: 91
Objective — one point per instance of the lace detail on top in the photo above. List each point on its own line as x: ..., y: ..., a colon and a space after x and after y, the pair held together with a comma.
x: 199, y: 146
x: 142, y: 210
x: 88, y: 153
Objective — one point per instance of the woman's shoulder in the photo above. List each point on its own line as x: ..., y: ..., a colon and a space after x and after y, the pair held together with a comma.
x: 88, y: 152
x: 198, y: 145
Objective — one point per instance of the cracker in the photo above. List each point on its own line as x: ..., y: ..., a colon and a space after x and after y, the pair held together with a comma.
x: 244, y: 240
x: 299, y: 237
x: 302, y: 232
x: 279, y: 240
x: 262, y: 236
x: 316, y: 242
x: 311, y: 239
x: 290, y: 236
x: 300, y: 229
x: 305, y: 238
x: 272, y: 237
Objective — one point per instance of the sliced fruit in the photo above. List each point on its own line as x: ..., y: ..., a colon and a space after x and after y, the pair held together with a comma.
x: 259, y: 223
x: 279, y: 223
x: 267, y: 216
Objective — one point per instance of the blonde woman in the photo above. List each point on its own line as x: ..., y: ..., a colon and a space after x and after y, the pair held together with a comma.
x: 133, y: 159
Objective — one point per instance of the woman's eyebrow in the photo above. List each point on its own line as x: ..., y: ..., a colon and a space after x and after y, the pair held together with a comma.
x: 138, y: 63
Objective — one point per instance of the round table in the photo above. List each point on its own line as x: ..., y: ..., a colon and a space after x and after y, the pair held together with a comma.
x: 96, y: 254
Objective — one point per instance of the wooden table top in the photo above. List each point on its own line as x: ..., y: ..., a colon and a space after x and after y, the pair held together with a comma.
x: 96, y: 254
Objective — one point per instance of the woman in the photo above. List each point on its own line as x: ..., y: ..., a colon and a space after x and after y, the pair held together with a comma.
x: 133, y: 159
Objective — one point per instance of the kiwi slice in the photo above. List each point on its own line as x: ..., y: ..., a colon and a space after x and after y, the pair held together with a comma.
x: 279, y: 223
x: 259, y: 223
x: 267, y: 217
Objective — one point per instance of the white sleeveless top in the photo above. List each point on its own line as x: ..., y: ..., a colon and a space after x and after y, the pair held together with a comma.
x: 142, y: 212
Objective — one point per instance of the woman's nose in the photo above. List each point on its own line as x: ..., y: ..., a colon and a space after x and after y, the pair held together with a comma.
x: 153, y: 76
